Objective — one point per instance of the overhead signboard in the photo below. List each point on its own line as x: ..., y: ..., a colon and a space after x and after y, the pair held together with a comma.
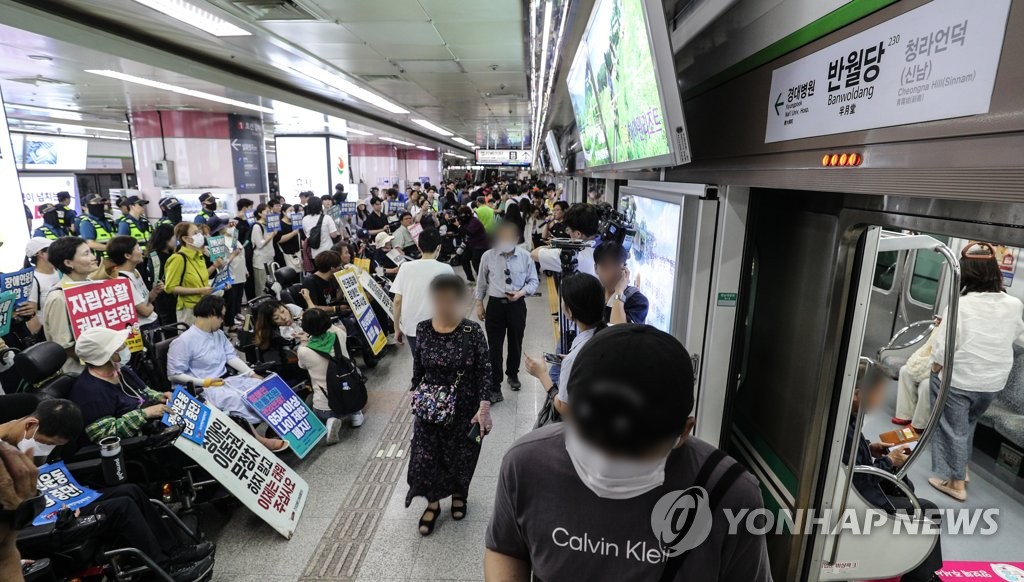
x: 504, y: 157
x: 937, y: 61
x: 38, y: 189
x: 247, y: 156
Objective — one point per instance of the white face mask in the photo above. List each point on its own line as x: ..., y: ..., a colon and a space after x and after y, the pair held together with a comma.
x: 198, y: 240
x: 505, y: 247
x: 38, y: 449
x: 125, y: 354
x: 611, y: 478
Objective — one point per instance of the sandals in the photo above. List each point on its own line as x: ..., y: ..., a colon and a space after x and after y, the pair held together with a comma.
x: 943, y: 486
x: 426, y: 526
x: 459, y: 511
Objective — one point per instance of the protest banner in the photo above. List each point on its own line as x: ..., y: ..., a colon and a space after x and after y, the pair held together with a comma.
x: 361, y: 263
x: 348, y: 208
x: 375, y: 291
x: 222, y: 280
x: 189, y: 412
x: 349, y: 282
x: 254, y: 475
x: 296, y: 220
x: 218, y: 247
x: 19, y: 283
x: 100, y: 304
x: 287, y: 414
x: 250, y: 216
x: 273, y: 222
x: 60, y: 489
x: 7, y: 303
x: 415, y: 231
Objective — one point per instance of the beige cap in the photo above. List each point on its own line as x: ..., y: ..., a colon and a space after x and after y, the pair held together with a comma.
x: 97, y: 345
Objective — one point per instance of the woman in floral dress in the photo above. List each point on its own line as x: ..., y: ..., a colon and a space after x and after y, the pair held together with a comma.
x: 450, y: 352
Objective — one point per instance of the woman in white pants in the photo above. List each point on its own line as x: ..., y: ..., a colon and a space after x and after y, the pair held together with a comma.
x: 913, y: 400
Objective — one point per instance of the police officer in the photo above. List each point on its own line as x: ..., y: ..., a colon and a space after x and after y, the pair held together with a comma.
x: 65, y: 215
x: 135, y: 224
x: 209, y: 208
x: 170, y: 209
x: 122, y: 207
x: 94, y: 226
x: 51, y: 228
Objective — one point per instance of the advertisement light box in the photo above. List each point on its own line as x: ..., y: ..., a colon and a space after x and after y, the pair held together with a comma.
x: 504, y: 157
x: 54, y: 153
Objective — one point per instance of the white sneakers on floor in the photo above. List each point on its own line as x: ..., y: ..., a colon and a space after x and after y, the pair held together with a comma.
x: 334, y: 425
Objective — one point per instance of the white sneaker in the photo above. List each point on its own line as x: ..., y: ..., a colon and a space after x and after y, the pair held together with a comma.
x: 357, y: 419
x: 333, y: 428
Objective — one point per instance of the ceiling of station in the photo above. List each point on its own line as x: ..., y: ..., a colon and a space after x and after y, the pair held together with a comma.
x: 457, y: 64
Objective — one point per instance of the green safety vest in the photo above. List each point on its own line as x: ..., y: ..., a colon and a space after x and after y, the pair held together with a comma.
x: 206, y: 215
x: 48, y: 232
x: 164, y: 220
x: 137, y: 233
x: 102, y: 234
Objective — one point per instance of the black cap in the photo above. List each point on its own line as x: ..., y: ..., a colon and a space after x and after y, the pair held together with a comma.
x: 63, y: 195
x: 96, y: 199
x: 169, y: 203
x: 133, y: 200
x: 216, y: 224
x: 631, y: 388
x: 48, y: 207
x: 206, y: 196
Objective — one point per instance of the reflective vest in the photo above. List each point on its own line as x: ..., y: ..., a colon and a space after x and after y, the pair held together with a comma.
x: 135, y: 230
x: 48, y: 231
x: 164, y: 220
x: 205, y: 215
x: 102, y: 234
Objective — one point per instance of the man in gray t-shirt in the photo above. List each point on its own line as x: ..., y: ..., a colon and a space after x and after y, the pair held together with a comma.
x: 620, y: 491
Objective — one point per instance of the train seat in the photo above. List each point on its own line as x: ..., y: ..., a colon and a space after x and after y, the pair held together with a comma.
x: 1006, y: 414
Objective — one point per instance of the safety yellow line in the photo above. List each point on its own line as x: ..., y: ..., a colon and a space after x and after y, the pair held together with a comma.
x: 553, y: 305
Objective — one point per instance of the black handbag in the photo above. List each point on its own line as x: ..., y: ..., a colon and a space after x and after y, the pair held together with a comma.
x: 346, y: 385
x: 548, y: 413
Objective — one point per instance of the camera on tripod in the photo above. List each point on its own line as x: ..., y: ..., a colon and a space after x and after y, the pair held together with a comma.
x: 570, y: 247
x: 616, y: 227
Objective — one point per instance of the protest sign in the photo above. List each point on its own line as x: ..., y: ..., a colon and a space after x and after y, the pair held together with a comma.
x: 222, y: 280
x: 296, y: 220
x: 7, y: 303
x: 374, y: 290
x: 250, y: 216
x: 415, y: 231
x: 254, y: 475
x: 100, y: 304
x: 19, y: 283
x: 287, y: 414
x: 187, y: 411
x: 273, y: 222
x: 349, y: 282
x: 60, y: 490
x: 1003, y: 570
x: 361, y: 263
x: 348, y: 208
x: 218, y: 247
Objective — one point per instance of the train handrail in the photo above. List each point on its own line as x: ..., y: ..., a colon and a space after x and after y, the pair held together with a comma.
x: 952, y: 312
x: 930, y: 323
x: 899, y: 483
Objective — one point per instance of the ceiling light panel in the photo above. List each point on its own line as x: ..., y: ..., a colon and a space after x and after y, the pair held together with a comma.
x: 463, y: 141
x: 432, y: 127
x: 179, y: 90
x: 397, y: 141
x: 424, y: 148
x: 338, y: 82
x: 192, y: 15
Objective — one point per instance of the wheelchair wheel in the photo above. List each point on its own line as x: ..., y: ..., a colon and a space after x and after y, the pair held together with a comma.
x: 369, y: 358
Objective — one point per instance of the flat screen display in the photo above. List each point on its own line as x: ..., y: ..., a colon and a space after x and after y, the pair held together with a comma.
x: 302, y: 166
x: 504, y: 157
x: 54, y: 153
x: 622, y: 117
x: 653, y: 253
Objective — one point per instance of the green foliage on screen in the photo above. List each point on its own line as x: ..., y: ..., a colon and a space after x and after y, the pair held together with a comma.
x: 614, y: 89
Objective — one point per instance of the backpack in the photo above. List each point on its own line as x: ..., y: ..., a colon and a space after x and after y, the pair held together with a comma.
x: 346, y: 385
x: 313, y: 237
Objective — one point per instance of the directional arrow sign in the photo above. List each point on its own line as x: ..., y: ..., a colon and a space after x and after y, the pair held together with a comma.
x: 235, y: 145
x: 778, y: 103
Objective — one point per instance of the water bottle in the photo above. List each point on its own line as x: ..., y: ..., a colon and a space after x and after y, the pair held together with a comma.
x: 112, y: 459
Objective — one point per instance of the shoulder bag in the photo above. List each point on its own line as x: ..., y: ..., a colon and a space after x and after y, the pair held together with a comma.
x: 435, y: 403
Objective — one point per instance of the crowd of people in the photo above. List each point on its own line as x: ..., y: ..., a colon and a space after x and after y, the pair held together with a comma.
x: 614, y: 439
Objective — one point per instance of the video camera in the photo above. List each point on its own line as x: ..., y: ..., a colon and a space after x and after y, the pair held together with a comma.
x: 616, y: 226
x: 570, y: 247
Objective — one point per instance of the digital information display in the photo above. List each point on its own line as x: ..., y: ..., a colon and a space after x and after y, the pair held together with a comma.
x: 302, y: 166
x: 54, y: 153
x: 615, y: 94
x: 653, y: 255
x: 504, y: 157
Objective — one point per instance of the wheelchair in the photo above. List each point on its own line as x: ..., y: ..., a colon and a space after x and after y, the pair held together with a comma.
x: 71, y: 549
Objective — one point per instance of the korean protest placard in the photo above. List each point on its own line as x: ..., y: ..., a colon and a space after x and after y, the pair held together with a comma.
x: 218, y: 247
x: 189, y: 412
x: 19, y: 283
x: 349, y: 282
x: 100, y: 304
x: 287, y: 414
x: 61, y: 490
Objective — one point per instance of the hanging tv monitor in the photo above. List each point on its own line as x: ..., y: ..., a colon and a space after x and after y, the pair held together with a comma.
x: 623, y: 89
x: 553, y: 153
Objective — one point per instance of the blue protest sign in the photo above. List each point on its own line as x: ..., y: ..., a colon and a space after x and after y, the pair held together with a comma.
x: 250, y: 216
x: 187, y: 411
x: 60, y: 490
x: 273, y: 222
x: 222, y: 280
x: 348, y: 208
x: 19, y: 283
x: 297, y: 220
x: 287, y: 414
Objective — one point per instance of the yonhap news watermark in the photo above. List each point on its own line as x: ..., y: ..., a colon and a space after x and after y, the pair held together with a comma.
x: 945, y: 521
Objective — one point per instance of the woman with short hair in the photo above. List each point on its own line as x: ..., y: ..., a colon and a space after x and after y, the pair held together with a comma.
x: 451, y: 372
x: 989, y: 322
x: 186, y: 274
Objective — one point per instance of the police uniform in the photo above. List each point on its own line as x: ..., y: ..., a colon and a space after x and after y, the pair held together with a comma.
x: 49, y: 232
x: 102, y: 228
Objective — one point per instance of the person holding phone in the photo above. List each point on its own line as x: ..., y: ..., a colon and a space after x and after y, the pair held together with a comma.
x: 583, y: 304
x: 506, y: 277
x: 625, y: 303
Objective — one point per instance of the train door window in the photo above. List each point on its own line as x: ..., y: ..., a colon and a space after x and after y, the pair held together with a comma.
x: 885, y: 270
x: 924, y: 280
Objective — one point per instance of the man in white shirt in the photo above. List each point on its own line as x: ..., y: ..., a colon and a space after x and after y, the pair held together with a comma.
x: 328, y: 230
x: 412, y: 285
x: 582, y: 223
x: 44, y: 278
